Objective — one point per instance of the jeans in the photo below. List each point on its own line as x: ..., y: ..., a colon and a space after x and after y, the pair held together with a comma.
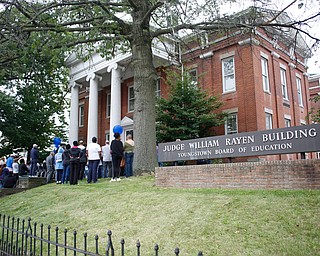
x: 106, y: 169
x: 65, y: 174
x: 93, y: 170
x: 128, y: 167
x: 33, y: 168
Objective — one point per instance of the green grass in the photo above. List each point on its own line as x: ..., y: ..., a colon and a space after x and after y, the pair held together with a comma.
x: 214, y: 221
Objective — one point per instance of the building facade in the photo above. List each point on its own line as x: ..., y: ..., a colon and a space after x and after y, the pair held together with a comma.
x: 262, y: 81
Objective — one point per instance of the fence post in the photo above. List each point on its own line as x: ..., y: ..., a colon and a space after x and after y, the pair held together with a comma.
x: 176, y: 251
x: 28, y: 233
x: 156, y: 248
x: 74, y: 241
x: 49, y: 245
x: 138, y: 248
x: 17, y: 237
x: 41, y: 236
x: 34, y: 238
x: 85, y: 242
x: 200, y: 253
x: 57, y: 240
x: 96, y: 238
x: 122, y: 247
x: 65, y: 241
x: 109, y: 245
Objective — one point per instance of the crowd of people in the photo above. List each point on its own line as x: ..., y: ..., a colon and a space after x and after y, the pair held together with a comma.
x: 68, y: 164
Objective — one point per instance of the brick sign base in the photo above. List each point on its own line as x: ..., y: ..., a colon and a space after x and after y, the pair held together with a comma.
x: 286, y: 174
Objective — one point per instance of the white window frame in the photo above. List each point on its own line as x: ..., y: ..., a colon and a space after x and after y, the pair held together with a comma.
x: 158, y: 88
x: 265, y: 74
x: 269, y: 125
x: 287, y: 122
x: 299, y: 91
x: 231, y: 117
x: 130, y: 99
x: 81, y: 115
x: 193, y: 76
x: 228, y: 77
x: 108, y: 105
x: 284, y: 87
x: 108, y: 136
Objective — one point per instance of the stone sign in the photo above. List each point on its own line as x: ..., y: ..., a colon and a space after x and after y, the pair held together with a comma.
x: 297, y: 139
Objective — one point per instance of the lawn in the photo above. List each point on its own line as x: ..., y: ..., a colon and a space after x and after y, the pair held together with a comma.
x: 214, y: 221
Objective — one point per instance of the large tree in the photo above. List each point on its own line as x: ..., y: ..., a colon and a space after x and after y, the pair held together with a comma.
x: 34, y: 96
x: 132, y: 24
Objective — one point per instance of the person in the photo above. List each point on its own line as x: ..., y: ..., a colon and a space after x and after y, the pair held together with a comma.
x: 93, y: 153
x: 128, y: 155
x: 83, y: 160
x: 59, y: 164
x: 23, y: 169
x: 10, y: 181
x: 106, y: 160
x: 74, y: 163
x: 50, y: 166
x: 66, y: 164
x: 9, y: 162
x: 34, y: 157
x: 4, y: 173
x: 15, y: 168
x: 116, y: 148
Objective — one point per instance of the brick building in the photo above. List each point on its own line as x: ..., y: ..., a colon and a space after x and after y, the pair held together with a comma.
x: 259, y: 75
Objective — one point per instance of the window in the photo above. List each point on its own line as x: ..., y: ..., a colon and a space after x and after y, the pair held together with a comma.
x: 265, y: 76
x: 287, y: 122
x: 268, y: 121
x: 193, y: 77
x: 284, y: 84
x: 299, y: 90
x: 108, y: 136
x: 81, y: 115
x: 130, y: 99
x: 228, y: 74
x: 127, y: 132
x: 108, y: 110
x: 158, y: 88
x: 231, y: 124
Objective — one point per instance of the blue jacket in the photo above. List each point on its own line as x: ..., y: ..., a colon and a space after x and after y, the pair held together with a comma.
x: 58, y: 159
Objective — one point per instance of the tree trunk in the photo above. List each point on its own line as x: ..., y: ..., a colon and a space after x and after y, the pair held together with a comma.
x: 145, y: 158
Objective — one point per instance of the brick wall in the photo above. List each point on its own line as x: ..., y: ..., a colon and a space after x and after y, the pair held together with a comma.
x: 285, y: 174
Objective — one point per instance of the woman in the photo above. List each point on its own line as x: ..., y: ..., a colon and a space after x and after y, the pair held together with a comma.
x: 116, y: 150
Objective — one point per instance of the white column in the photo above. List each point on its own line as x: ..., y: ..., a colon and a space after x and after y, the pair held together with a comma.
x: 115, y: 110
x: 93, y: 106
x: 74, y: 113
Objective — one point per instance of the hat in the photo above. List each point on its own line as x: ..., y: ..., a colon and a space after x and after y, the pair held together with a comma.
x: 35, y: 145
x: 107, y: 141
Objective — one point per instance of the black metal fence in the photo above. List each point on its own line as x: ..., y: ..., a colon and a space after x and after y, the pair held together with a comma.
x: 20, y: 237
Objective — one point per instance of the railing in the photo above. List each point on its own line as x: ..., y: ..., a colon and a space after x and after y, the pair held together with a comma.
x: 19, y: 237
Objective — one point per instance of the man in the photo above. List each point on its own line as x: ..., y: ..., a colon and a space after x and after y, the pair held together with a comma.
x: 50, y: 166
x: 106, y: 160
x: 74, y: 163
x: 9, y: 162
x: 94, y: 154
x: 83, y: 160
x: 34, y: 157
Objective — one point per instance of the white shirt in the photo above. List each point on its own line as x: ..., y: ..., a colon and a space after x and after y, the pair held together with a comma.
x: 106, y: 153
x: 93, y: 150
x: 15, y: 168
